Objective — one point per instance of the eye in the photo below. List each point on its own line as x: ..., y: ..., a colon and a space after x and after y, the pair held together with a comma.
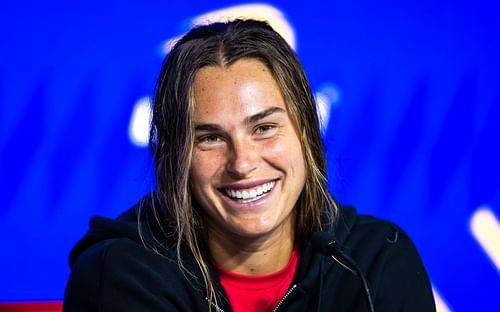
x: 209, y: 139
x: 265, y: 131
x: 262, y: 129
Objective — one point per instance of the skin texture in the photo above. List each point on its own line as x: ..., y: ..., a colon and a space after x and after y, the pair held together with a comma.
x: 244, y: 138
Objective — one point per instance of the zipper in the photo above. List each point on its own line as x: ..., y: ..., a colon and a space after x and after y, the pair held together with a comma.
x: 284, y: 297
x: 215, y: 306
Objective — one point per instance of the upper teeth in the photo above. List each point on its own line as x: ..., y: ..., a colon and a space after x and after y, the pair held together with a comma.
x: 250, y: 193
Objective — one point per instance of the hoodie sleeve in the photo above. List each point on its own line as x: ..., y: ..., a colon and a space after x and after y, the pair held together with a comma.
x: 119, y: 275
x: 403, y: 284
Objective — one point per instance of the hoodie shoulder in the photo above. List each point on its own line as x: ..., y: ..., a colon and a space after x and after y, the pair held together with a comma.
x: 390, y: 261
x: 113, y: 270
x: 120, y: 274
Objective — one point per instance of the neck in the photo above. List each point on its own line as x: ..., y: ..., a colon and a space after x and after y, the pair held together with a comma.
x: 252, y: 256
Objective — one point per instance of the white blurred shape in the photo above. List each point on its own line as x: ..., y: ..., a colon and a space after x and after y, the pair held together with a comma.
x: 486, y: 230
x: 138, y: 129
x: 327, y: 97
x: 441, y: 305
x: 258, y: 11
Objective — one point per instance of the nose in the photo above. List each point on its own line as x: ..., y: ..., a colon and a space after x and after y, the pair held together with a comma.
x: 243, y: 159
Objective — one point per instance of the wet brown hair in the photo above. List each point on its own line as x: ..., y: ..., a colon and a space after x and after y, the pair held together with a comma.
x: 172, y: 132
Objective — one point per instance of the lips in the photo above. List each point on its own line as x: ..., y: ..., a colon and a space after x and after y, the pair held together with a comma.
x: 249, y: 194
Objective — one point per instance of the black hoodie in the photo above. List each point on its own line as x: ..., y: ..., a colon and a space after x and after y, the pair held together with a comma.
x: 111, y: 270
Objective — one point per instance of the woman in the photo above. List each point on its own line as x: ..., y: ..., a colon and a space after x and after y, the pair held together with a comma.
x: 241, y: 218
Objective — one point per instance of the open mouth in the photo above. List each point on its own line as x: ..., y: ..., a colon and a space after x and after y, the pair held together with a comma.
x: 251, y: 194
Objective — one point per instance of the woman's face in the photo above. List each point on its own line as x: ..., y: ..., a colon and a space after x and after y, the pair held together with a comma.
x: 248, y: 168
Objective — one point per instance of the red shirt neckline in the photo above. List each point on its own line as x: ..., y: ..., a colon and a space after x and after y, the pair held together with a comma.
x: 258, y: 292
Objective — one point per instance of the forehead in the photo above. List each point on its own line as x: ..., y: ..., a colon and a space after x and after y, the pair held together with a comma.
x: 247, y: 84
x: 241, y: 70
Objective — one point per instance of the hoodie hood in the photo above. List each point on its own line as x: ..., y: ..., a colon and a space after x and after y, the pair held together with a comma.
x: 124, y: 226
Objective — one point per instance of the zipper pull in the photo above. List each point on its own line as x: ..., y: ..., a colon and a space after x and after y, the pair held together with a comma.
x: 217, y: 308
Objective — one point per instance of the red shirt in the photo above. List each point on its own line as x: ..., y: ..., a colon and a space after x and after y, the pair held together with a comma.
x: 258, y: 293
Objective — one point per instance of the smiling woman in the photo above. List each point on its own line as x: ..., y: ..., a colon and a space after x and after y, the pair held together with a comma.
x: 241, y: 219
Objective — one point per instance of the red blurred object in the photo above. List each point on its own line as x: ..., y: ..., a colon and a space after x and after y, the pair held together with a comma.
x: 47, y: 306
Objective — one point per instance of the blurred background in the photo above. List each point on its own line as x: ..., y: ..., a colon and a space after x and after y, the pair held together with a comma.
x: 408, y: 91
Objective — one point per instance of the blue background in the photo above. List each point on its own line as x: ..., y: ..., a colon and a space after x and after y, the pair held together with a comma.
x: 413, y: 137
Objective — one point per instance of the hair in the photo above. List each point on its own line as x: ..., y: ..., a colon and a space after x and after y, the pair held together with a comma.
x: 172, y: 133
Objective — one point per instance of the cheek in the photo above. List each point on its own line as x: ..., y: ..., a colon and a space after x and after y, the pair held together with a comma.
x: 205, y: 166
x: 285, y: 153
x: 200, y: 176
x: 276, y: 148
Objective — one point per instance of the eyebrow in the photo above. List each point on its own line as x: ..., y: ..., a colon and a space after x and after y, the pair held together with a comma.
x: 263, y: 114
x: 207, y: 128
x: 248, y: 120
